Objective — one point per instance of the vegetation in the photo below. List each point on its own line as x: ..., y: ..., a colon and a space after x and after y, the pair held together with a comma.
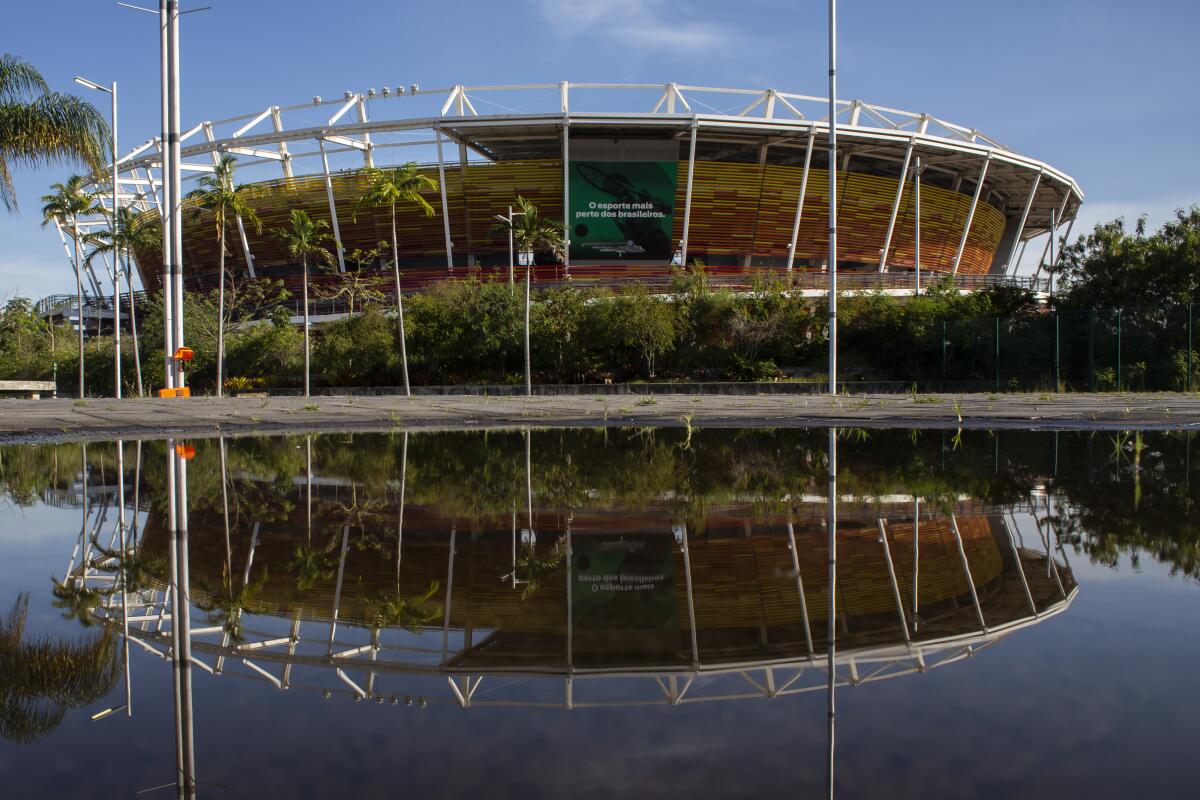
x: 306, y: 239
x: 216, y: 196
x: 392, y: 187
x: 41, y: 128
x: 42, y: 679
x: 64, y: 205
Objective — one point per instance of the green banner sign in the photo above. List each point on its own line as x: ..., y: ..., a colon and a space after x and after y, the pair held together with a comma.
x: 622, y: 210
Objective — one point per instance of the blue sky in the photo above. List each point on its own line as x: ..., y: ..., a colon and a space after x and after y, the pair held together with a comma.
x: 1101, y: 89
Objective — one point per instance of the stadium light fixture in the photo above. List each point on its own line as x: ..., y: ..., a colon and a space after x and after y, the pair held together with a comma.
x: 116, y: 271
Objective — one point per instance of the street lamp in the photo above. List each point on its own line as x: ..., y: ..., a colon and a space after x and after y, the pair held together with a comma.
x: 527, y: 257
x: 116, y: 272
x: 832, y: 197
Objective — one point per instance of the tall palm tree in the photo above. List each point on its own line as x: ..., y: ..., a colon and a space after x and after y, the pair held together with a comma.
x: 65, y: 204
x: 215, y: 194
x: 531, y: 233
x: 305, y: 240
x: 392, y: 187
x: 41, y: 128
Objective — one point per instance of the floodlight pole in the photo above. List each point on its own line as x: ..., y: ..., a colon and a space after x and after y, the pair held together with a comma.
x: 832, y: 197
x: 176, y: 203
x: 116, y: 205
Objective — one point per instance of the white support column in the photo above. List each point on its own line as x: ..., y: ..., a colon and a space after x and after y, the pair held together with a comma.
x: 887, y: 557
x: 887, y: 239
x: 1050, y: 236
x: 1012, y: 253
x: 812, y: 137
x: 800, y: 587
x: 445, y: 204
x: 566, y: 177
x: 285, y: 158
x: 962, y: 244
x: 337, y: 232
x: 241, y: 226
x: 687, y: 573
x: 687, y: 198
x: 962, y: 554
x: 368, y: 153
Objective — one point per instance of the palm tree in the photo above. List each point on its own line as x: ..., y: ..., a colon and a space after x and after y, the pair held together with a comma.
x: 304, y: 240
x: 216, y: 195
x: 392, y: 187
x: 65, y: 204
x: 531, y: 232
x: 41, y: 128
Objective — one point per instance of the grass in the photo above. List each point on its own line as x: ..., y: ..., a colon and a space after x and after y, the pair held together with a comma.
x: 312, y: 406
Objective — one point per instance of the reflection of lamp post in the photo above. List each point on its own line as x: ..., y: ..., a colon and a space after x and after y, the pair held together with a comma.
x: 116, y: 272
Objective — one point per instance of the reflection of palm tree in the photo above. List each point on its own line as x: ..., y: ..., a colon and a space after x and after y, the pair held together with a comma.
x: 226, y: 606
x: 311, y: 565
x: 78, y: 601
x: 406, y: 612
x: 41, y: 680
x: 533, y: 568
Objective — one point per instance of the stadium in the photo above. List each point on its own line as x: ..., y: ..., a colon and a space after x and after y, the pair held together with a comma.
x: 642, y: 177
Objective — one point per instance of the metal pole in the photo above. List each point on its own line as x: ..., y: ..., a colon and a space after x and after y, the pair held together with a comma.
x: 510, y: 247
x: 832, y: 251
x: 566, y: 158
x: 996, y: 356
x: 917, y: 224
x: 1050, y: 244
x: 165, y: 152
x: 812, y: 137
x: 1119, y: 311
x: 124, y: 574
x: 1091, y: 349
x: 176, y: 183
x: 831, y: 629
x: 1191, y: 309
x: 528, y: 373
x: 116, y: 204
x: 1057, y: 376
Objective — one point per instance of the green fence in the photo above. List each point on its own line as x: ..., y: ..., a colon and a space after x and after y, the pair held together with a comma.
x: 1137, y: 349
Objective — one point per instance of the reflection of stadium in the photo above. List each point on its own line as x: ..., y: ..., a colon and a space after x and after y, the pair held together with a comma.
x: 748, y: 168
x: 733, y: 611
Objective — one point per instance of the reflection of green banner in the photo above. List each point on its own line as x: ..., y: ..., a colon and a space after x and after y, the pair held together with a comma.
x: 625, y: 583
x: 622, y: 209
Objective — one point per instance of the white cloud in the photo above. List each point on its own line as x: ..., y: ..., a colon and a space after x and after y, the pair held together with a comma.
x: 641, y: 24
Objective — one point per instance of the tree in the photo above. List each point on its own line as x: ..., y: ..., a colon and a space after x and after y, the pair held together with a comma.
x: 647, y: 324
x: 132, y: 234
x: 215, y: 195
x: 531, y: 233
x: 304, y: 240
x: 42, y: 128
x: 1112, y: 267
x: 65, y: 204
x: 391, y: 187
x: 352, y: 284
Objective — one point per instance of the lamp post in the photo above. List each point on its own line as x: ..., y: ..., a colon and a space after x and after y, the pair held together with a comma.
x: 528, y: 258
x: 116, y: 271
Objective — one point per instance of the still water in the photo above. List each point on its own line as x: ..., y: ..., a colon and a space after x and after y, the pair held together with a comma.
x: 590, y: 613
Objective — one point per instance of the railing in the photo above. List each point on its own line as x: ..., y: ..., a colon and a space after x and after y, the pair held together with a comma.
x: 552, y: 276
